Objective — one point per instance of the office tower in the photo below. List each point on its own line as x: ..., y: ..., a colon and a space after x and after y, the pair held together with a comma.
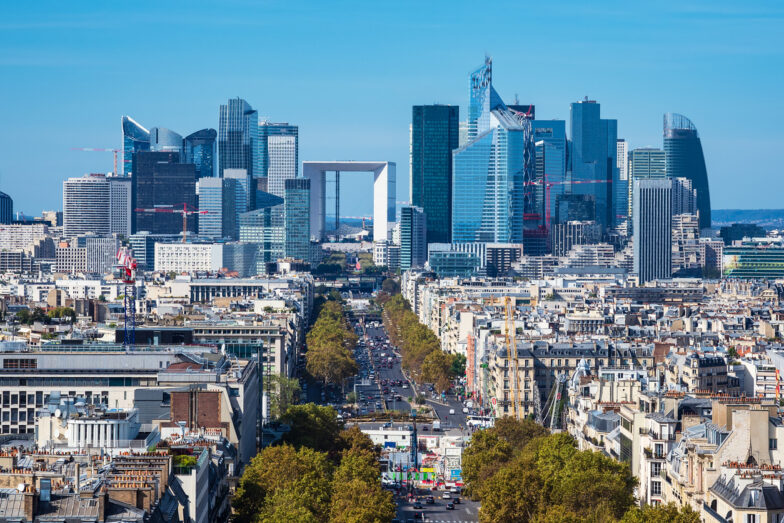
x: 199, y: 149
x: 550, y: 139
x: 499, y: 258
x: 684, y: 159
x: 489, y: 172
x: 278, y: 154
x: 623, y: 190
x: 434, y: 135
x: 563, y: 236
x: 238, y: 138
x: 6, y: 208
x: 86, y: 205
x: 165, y: 140
x: 244, y: 191
x: 135, y: 138
x: 687, y: 251
x: 644, y: 163
x: 684, y: 197
x: 593, y: 159
x: 413, y: 237
x: 652, y: 229
x: 738, y: 231
x: 575, y: 207
x: 297, y: 218
x: 218, y: 197
x: 265, y: 227
x: 120, y: 210
x: 159, y: 180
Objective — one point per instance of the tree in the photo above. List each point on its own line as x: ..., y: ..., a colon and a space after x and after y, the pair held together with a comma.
x: 436, y: 370
x: 458, y: 366
x: 357, y: 501
x: 284, y: 392
x: 513, y: 494
x: 669, y: 513
x: 287, y: 505
x: 483, y: 457
x: 312, y: 426
x: 353, y: 439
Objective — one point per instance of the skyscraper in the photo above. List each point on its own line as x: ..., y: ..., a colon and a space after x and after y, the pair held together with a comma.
x: 159, y: 180
x: 278, y: 154
x: 297, y: 218
x: 6, y: 208
x: 684, y: 159
x: 165, y: 140
x: 218, y: 197
x: 550, y: 139
x: 135, y: 138
x: 413, y: 237
x: 264, y: 227
x: 490, y: 171
x: 684, y: 197
x: 593, y: 159
x: 652, y: 242
x: 86, y: 206
x: 238, y: 138
x: 622, y: 191
x: 199, y: 149
x: 434, y: 135
x: 120, y: 199
x: 645, y: 163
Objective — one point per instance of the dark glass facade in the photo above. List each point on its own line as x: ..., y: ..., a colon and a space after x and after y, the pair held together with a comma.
x: 238, y: 138
x: 684, y: 159
x: 200, y: 151
x: 135, y: 138
x: 297, y: 216
x: 6, y: 208
x: 434, y: 135
x: 159, y: 180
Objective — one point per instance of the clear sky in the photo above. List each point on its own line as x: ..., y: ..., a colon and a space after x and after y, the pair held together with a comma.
x: 348, y: 73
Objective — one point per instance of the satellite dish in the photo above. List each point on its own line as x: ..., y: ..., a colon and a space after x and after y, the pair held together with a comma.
x: 57, y: 413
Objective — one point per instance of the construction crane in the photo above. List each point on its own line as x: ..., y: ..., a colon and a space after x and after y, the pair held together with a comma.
x: 100, y: 150
x: 511, y: 351
x: 185, y: 211
x: 547, y: 186
x: 126, y: 267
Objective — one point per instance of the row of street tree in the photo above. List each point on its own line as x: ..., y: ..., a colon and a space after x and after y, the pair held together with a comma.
x: 320, y: 473
x: 420, y: 348
x: 521, y: 472
x: 331, y: 342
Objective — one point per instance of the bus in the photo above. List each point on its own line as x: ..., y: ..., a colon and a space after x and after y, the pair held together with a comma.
x: 481, y: 421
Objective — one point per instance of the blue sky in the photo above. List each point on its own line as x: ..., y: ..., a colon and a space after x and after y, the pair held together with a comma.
x: 348, y: 73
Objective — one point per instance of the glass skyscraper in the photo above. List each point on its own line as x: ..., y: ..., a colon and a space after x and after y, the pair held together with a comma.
x: 297, y: 216
x: 550, y: 140
x: 6, y: 208
x: 278, y: 155
x: 238, y: 138
x: 160, y: 180
x: 434, y: 135
x: 200, y: 151
x: 593, y: 159
x: 218, y: 196
x: 135, y: 138
x: 684, y: 159
x: 413, y: 234
x: 491, y: 170
x: 265, y: 228
x: 165, y: 140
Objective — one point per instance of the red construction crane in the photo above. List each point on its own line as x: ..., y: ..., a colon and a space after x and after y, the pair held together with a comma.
x: 547, y: 186
x: 171, y: 210
x: 101, y: 150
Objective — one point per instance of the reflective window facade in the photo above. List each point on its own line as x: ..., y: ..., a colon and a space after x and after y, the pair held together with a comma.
x: 297, y: 215
x: 6, y: 208
x: 159, y: 180
x: 685, y: 159
x: 218, y: 196
x: 278, y: 154
x: 200, y: 151
x: 413, y: 233
x: 265, y: 228
x: 135, y: 138
x: 238, y: 138
x: 434, y: 135
x: 550, y: 140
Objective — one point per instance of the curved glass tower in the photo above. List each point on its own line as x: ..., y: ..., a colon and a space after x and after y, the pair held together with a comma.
x: 684, y: 159
x: 200, y: 151
x: 135, y: 138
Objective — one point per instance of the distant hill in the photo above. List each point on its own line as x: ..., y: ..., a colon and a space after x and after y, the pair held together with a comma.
x: 767, y: 218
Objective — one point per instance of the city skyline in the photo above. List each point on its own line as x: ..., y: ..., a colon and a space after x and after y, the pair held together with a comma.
x: 707, y: 75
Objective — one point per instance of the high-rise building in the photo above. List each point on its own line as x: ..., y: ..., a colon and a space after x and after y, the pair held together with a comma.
x: 413, y: 237
x: 243, y: 188
x: 120, y: 210
x: 652, y: 229
x: 297, y: 218
x: 218, y: 197
x: 238, y: 138
x: 6, y: 208
x: 563, y: 236
x: 550, y: 139
x: 622, y: 190
x: 575, y: 207
x: 86, y: 206
x: 160, y: 181
x: 199, y: 149
x: 490, y: 172
x: 278, y: 154
x: 645, y: 163
x: 593, y: 158
x: 684, y: 159
x: 166, y: 140
x: 434, y: 135
x: 135, y: 138
x: 684, y: 197
x: 265, y: 227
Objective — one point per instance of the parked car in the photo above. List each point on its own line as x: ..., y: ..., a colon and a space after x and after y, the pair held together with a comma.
x: 450, y: 506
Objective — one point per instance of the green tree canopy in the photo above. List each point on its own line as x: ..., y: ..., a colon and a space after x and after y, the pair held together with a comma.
x: 312, y: 426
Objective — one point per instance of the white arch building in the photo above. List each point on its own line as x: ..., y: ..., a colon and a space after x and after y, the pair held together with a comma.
x: 383, y: 194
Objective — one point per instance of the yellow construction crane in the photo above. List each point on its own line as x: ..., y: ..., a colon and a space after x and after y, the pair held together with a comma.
x: 511, y: 350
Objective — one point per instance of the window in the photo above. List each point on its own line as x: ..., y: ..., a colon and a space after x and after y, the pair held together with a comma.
x: 774, y: 444
x: 751, y: 518
x: 20, y: 363
x: 655, y: 488
x: 655, y: 469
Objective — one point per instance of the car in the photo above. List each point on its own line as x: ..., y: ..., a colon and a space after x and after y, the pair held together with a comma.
x: 405, y: 385
x: 418, y: 505
x: 430, y: 500
x: 451, y: 411
x: 446, y: 495
x: 450, y: 506
x: 456, y: 501
x: 465, y: 410
x: 455, y: 490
